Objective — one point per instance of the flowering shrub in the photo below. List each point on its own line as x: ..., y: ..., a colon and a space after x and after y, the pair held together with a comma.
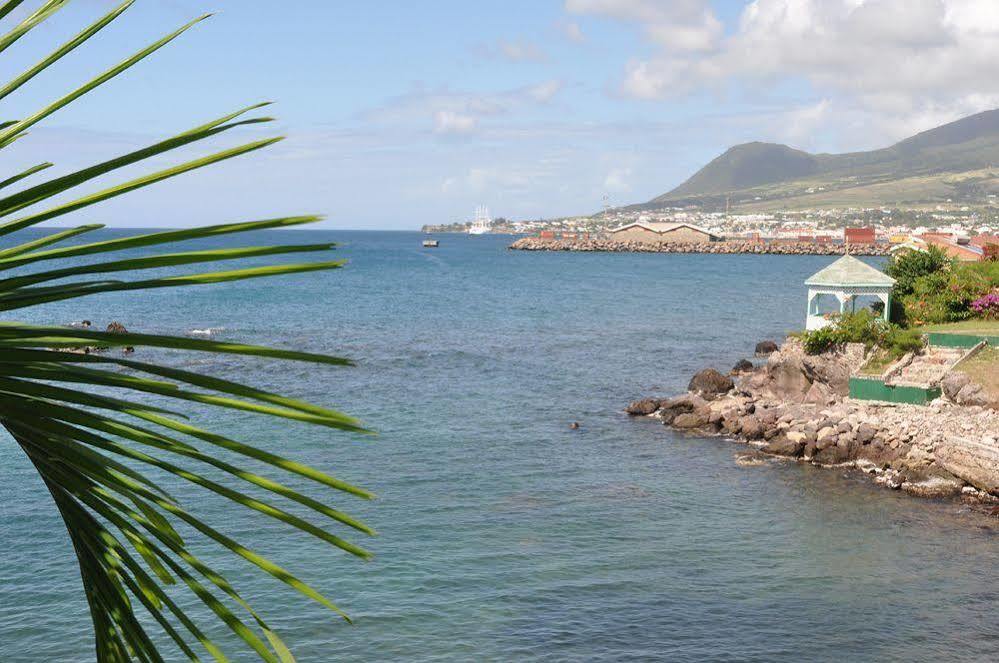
x: 946, y: 296
x: 986, y: 307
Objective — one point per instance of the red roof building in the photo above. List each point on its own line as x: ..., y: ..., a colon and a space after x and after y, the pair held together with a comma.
x: 965, y: 252
x: 859, y: 235
x: 983, y: 240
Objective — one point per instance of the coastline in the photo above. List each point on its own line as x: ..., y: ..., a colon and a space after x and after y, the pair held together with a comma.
x: 723, y: 247
x: 795, y: 406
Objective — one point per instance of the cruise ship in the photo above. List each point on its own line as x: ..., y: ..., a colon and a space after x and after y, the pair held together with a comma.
x: 480, y: 226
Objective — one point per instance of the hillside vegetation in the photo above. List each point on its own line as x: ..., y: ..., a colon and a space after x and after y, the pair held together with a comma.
x: 951, y: 161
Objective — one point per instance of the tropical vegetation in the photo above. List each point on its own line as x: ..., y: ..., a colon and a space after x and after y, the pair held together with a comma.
x: 87, y: 419
x: 865, y: 327
x: 932, y: 288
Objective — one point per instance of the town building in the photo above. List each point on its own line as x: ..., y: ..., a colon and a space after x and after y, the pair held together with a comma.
x: 661, y: 233
x: 859, y: 235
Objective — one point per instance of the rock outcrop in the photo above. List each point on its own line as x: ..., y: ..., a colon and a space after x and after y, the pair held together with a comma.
x: 795, y: 406
x: 764, y: 348
x: 959, y: 388
x: 709, y: 383
x: 644, y: 406
x: 792, y: 375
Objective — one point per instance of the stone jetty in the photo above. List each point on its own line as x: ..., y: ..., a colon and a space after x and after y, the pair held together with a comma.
x: 795, y: 406
x: 723, y: 247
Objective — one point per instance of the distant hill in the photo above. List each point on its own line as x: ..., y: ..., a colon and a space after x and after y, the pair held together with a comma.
x: 768, y: 171
x: 748, y: 165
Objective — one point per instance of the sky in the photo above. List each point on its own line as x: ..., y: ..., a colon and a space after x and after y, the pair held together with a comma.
x: 401, y: 113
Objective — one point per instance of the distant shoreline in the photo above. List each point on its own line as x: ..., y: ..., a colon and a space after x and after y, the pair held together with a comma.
x: 724, y: 247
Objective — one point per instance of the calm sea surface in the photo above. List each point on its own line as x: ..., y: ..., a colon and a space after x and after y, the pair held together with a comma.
x: 504, y: 535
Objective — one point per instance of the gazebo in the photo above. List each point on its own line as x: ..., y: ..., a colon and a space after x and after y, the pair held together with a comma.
x: 846, y: 279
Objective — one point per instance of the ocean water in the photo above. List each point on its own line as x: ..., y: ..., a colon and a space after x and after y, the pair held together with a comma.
x: 503, y: 534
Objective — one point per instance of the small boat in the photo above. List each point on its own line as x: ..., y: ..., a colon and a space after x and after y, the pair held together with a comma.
x: 430, y: 243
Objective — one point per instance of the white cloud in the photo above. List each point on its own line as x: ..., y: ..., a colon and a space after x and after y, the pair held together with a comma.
x: 617, y: 180
x: 454, y: 112
x: 479, y: 180
x: 449, y: 122
x: 911, y: 63
x: 521, y: 51
x: 571, y: 31
x: 543, y: 93
x: 682, y: 25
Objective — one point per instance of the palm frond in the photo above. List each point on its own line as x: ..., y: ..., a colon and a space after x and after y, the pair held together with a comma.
x: 97, y: 426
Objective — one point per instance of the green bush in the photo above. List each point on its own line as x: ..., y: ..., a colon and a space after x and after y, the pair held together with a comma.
x: 818, y: 341
x: 932, y: 288
x: 862, y: 327
x: 899, y: 341
x: 947, y: 296
x: 908, y: 267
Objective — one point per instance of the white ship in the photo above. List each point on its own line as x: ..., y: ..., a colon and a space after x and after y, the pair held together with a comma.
x: 480, y: 226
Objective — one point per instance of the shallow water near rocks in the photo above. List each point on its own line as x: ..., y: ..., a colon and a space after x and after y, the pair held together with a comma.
x: 504, y: 534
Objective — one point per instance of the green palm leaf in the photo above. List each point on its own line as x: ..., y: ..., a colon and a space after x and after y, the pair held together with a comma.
x: 85, y: 421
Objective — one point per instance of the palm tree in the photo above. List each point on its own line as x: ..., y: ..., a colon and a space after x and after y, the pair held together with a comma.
x: 85, y: 420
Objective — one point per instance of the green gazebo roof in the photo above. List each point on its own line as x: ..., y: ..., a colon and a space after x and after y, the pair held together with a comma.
x: 847, y: 272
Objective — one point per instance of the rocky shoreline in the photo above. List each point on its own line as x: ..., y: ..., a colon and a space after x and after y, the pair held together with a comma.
x: 795, y: 406
x: 724, y: 247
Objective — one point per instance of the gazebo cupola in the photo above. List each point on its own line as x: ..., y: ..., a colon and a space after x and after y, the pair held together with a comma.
x: 846, y: 279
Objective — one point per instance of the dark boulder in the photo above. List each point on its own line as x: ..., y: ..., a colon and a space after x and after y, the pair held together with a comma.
x: 831, y: 455
x: 690, y: 420
x: 743, y: 366
x: 709, y: 383
x: 643, y: 407
x: 791, y: 444
x: 865, y: 433
x: 764, y: 348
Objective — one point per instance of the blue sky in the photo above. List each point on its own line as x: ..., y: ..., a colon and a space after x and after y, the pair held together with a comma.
x: 404, y: 113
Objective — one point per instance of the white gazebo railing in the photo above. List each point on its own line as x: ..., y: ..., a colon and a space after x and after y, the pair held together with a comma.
x: 846, y: 279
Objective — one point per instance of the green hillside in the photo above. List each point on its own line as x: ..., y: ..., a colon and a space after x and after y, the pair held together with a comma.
x: 767, y: 172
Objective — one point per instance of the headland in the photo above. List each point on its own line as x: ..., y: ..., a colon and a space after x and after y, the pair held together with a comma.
x: 797, y: 406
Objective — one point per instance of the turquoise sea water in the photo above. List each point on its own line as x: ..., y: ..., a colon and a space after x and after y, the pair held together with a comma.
x: 504, y: 535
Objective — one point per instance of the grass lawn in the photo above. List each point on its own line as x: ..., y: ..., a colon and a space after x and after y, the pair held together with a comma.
x: 984, y: 327
x: 877, y: 364
x: 983, y: 368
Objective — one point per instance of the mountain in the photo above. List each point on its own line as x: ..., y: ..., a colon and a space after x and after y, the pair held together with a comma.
x: 749, y: 165
x: 767, y: 171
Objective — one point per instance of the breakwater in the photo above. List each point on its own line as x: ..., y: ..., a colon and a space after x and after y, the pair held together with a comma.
x: 724, y: 247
